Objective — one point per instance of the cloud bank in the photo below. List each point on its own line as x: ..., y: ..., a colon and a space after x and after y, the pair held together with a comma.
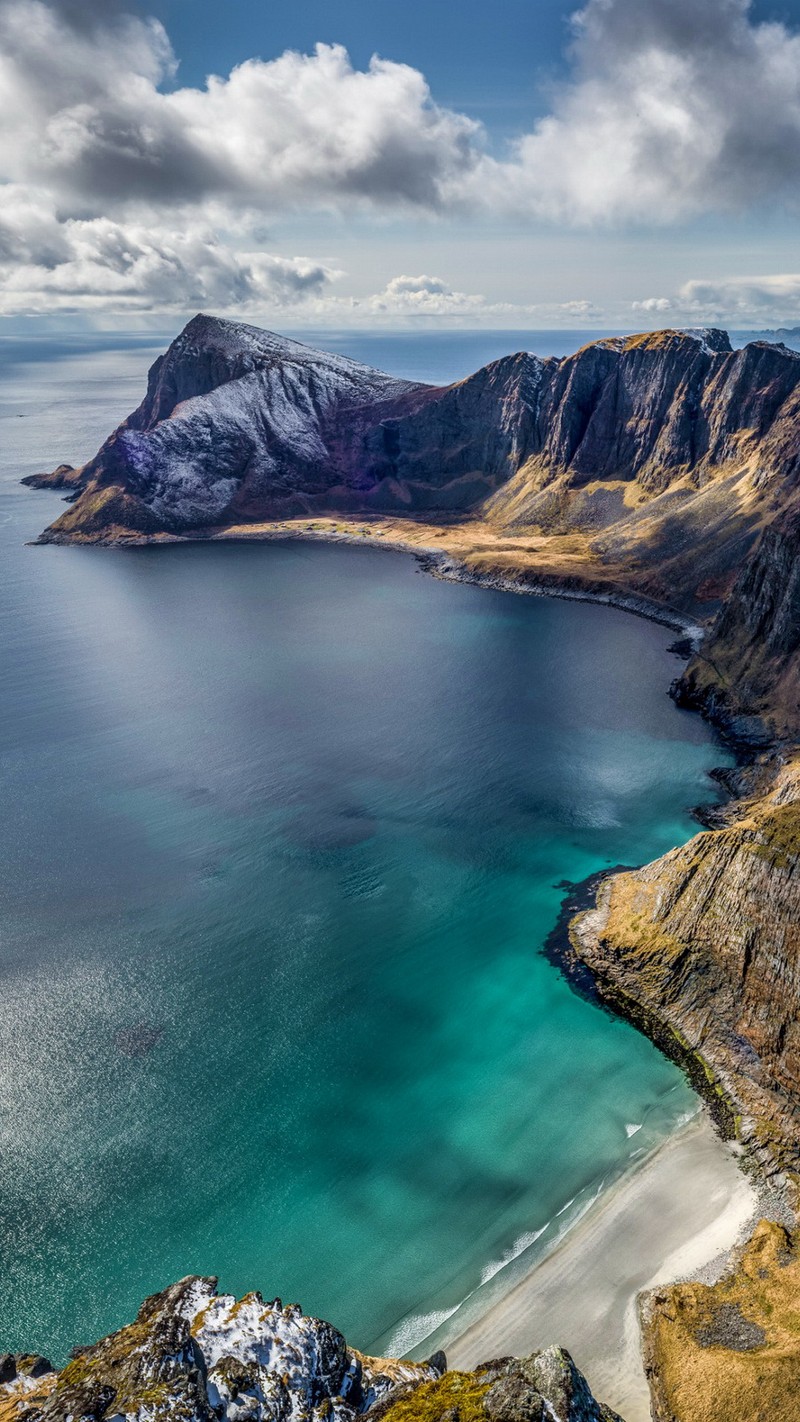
x: 742, y: 299
x: 122, y: 188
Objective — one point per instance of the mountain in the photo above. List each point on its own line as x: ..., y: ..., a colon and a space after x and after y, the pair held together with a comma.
x: 241, y: 425
x: 666, y: 465
x: 785, y: 335
x: 193, y: 1355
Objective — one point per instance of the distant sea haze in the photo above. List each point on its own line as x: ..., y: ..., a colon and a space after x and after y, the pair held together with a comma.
x: 285, y: 828
x: 437, y: 357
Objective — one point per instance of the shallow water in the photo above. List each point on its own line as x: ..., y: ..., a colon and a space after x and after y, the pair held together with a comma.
x: 284, y: 831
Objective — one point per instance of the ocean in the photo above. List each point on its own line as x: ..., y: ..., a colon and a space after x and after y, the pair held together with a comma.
x: 285, y: 829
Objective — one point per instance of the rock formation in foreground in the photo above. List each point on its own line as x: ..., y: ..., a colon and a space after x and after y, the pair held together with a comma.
x: 193, y: 1355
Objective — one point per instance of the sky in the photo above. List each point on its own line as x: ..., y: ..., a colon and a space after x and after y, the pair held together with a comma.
x: 517, y: 164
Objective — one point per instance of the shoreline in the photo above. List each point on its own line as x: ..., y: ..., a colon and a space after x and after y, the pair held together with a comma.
x: 586, y: 1288
x: 448, y: 567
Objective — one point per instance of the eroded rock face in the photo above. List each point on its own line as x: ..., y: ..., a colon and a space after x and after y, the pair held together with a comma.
x: 749, y: 665
x: 546, y: 1387
x: 197, y: 1356
x: 702, y: 949
x: 240, y: 424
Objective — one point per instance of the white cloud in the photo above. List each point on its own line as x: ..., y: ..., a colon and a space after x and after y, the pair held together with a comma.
x: 426, y: 296
x: 674, y: 108
x: 98, y: 263
x: 123, y: 187
x: 757, y: 297
x: 733, y: 300
x: 82, y: 112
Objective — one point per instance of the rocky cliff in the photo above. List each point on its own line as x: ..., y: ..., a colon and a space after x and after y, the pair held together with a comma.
x: 702, y: 949
x: 649, y: 440
x: 666, y: 464
x: 198, y: 1356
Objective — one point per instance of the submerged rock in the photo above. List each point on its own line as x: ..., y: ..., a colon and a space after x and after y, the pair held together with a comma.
x: 198, y: 1356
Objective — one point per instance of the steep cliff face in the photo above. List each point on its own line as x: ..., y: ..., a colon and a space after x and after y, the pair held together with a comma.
x: 197, y: 1356
x: 749, y: 665
x: 645, y: 443
x: 702, y: 948
x: 239, y: 424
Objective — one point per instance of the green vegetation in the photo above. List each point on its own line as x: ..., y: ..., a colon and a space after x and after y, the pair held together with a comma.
x: 456, y: 1397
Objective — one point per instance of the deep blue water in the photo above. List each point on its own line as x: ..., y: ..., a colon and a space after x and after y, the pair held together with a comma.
x: 284, y: 830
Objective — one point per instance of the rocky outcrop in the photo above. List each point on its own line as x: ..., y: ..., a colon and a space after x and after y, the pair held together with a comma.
x: 729, y: 1352
x: 702, y: 949
x: 198, y: 1356
x: 747, y: 675
x: 65, y: 476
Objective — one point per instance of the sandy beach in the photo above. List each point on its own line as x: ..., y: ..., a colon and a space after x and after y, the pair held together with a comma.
x: 685, y: 1206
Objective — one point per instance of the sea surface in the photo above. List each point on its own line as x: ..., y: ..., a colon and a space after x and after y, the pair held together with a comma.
x: 284, y: 829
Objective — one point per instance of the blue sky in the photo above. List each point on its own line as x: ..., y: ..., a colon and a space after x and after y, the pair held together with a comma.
x: 623, y: 163
x: 487, y: 59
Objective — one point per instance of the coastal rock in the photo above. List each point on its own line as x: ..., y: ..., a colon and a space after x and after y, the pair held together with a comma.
x: 729, y: 1352
x: 546, y: 1387
x: 65, y: 476
x: 197, y: 1356
x: 747, y: 675
x: 702, y: 949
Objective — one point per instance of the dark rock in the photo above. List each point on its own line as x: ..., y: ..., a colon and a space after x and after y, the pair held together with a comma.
x: 730, y: 1329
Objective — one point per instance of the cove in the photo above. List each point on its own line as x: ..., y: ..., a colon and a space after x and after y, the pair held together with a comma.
x: 283, y: 832
x: 286, y: 828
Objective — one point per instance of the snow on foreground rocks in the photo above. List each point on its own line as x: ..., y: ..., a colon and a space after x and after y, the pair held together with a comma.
x: 192, y: 1355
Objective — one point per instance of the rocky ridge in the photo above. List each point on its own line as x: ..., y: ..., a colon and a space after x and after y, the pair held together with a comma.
x: 194, y: 1355
x: 666, y: 464
x: 702, y: 948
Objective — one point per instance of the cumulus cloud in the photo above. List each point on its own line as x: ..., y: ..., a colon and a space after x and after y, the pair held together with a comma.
x: 426, y: 296
x: 98, y: 263
x: 116, y: 175
x: 674, y: 108
x: 81, y: 109
x: 733, y: 300
x: 411, y: 298
x: 652, y: 304
x: 746, y: 296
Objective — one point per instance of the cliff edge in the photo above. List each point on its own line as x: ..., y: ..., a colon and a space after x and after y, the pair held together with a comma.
x: 193, y: 1355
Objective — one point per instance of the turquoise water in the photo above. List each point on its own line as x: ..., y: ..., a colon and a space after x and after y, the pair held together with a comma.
x: 284, y: 830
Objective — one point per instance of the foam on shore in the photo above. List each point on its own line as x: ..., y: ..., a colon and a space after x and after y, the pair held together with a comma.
x: 686, y: 1205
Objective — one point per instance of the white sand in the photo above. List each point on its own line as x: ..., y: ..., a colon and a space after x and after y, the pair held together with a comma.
x: 686, y: 1205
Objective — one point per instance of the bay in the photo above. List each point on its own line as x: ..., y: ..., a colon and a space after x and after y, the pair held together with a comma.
x: 285, y: 829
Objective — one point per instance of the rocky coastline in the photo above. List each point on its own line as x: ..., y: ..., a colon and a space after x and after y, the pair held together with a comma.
x: 660, y: 474
x: 195, y: 1355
